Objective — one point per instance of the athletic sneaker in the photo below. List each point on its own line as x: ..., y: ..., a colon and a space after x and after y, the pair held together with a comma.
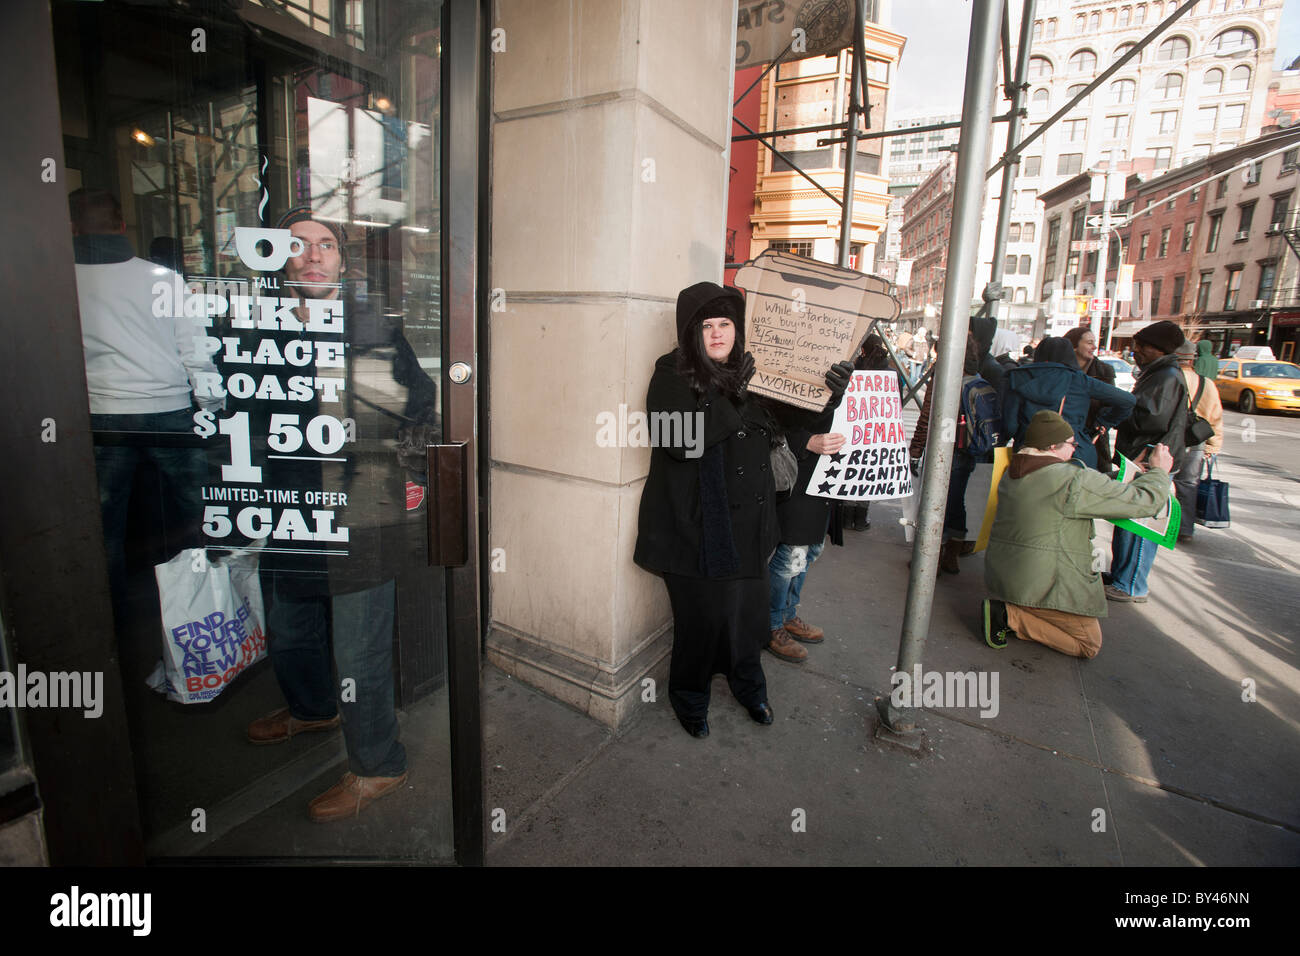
x: 996, y: 630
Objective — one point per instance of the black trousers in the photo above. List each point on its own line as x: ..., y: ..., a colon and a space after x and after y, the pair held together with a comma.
x: 719, y: 627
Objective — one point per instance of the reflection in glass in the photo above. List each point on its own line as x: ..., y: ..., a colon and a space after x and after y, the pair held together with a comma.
x: 280, y: 207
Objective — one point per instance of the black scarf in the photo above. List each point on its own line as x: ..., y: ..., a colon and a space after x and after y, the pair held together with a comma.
x: 718, y: 555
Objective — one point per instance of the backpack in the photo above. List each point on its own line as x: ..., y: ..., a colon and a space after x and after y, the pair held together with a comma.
x: 981, y: 413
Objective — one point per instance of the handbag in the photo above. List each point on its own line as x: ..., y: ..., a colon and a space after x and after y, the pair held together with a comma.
x: 1198, y: 429
x: 1212, y: 498
x: 785, y: 467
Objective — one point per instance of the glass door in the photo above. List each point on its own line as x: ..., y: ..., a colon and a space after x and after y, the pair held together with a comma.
x: 255, y: 200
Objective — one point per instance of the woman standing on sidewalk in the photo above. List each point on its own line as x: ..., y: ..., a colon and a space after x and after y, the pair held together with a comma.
x: 1084, y: 343
x: 707, y: 522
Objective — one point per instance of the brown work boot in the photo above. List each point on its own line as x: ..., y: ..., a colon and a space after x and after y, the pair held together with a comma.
x: 278, y: 727
x: 948, y: 556
x: 801, y: 630
x: 350, y: 796
x: 786, y: 649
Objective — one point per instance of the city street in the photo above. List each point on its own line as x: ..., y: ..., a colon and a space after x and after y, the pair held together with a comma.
x: 1178, y: 745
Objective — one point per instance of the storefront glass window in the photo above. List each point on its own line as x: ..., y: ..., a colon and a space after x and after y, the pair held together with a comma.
x: 256, y: 216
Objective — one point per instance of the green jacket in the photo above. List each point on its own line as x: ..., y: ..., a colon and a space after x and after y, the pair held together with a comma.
x: 1040, y: 548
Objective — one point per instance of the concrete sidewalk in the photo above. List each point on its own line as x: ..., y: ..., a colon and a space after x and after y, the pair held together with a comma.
x: 1153, y: 733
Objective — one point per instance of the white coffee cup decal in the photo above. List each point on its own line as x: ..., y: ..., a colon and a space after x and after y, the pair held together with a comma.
x: 283, y: 244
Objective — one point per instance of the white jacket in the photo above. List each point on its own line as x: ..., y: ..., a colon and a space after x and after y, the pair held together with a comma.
x: 136, y: 362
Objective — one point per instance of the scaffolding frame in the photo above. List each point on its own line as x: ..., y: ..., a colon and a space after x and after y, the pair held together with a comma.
x: 989, y: 35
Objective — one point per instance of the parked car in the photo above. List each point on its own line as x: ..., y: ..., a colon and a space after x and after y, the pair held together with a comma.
x: 1124, y: 377
x: 1264, y: 385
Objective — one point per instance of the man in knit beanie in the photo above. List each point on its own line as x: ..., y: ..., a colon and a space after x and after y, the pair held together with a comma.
x: 1039, y: 564
x: 1159, y: 418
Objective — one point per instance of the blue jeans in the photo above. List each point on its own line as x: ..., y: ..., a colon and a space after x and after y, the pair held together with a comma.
x: 182, y: 472
x: 1131, y: 557
x: 298, y: 630
x: 786, y: 571
x: 1187, y: 475
x: 954, y: 515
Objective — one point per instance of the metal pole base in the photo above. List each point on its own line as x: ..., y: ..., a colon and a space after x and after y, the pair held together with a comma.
x: 897, y: 726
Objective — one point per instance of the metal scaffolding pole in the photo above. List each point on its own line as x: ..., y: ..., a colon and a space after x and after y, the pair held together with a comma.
x: 1017, y: 87
x: 851, y: 134
x: 972, y: 153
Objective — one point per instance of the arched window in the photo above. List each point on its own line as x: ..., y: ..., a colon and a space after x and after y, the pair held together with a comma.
x: 1169, y: 87
x: 1075, y: 90
x: 1022, y: 294
x: 1125, y: 16
x: 1124, y: 48
x: 1175, y: 48
x: 1038, y: 30
x: 1083, y: 61
x: 1094, y: 22
x: 1232, y: 41
x: 1040, y: 67
x: 1239, y: 79
x: 1123, y: 91
x: 1213, y: 81
x: 1039, y: 101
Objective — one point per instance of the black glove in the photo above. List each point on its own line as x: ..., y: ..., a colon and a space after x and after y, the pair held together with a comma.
x: 914, y: 466
x: 746, y: 372
x: 837, y: 379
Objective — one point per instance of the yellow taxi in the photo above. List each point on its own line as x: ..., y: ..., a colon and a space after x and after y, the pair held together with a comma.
x: 1259, y: 384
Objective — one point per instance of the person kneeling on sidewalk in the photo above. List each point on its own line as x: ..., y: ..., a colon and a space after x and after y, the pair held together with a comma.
x: 1039, y: 566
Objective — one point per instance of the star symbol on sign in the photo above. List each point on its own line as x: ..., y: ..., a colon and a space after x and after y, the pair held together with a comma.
x: 824, y: 488
x: 832, y: 472
x: 837, y: 457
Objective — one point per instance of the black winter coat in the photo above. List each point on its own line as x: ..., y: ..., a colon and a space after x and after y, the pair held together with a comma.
x: 670, y: 536
x: 1160, y: 416
x: 1103, y: 372
x: 803, y: 517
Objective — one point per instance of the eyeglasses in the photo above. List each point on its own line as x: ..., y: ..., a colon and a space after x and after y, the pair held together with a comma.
x: 329, y: 245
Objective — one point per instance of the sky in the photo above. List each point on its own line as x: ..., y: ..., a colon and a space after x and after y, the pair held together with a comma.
x: 933, y: 69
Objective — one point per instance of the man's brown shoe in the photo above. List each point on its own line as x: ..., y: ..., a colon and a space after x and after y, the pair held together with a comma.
x: 351, y: 795
x: 801, y: 630
x: 948, y: 556
x: 785, y: 648
x: 278, y: 727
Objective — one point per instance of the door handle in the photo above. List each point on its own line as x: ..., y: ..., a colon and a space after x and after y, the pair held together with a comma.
x: 448, y: 527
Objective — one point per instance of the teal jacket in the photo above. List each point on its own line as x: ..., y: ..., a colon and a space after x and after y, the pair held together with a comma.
x: 1040, y: 548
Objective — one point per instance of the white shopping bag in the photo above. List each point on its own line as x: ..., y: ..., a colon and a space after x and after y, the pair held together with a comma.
x: 214, y: 623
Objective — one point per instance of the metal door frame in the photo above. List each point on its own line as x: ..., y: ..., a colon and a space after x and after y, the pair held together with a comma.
x: 51, y: 536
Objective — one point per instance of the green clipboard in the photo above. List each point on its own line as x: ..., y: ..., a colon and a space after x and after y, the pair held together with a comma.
x: 1163, y: 528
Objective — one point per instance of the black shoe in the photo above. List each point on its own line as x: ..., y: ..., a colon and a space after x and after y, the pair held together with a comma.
x: 696, y: 728
x: 761, y: 713
x: 996, y: 630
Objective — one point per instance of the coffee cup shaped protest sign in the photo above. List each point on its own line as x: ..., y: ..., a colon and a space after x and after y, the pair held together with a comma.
x: 801, y: 317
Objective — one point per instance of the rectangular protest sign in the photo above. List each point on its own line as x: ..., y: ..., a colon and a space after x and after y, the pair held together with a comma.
x: 801, y: 317
x: 1163, y: 528
x: 873, y: 462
